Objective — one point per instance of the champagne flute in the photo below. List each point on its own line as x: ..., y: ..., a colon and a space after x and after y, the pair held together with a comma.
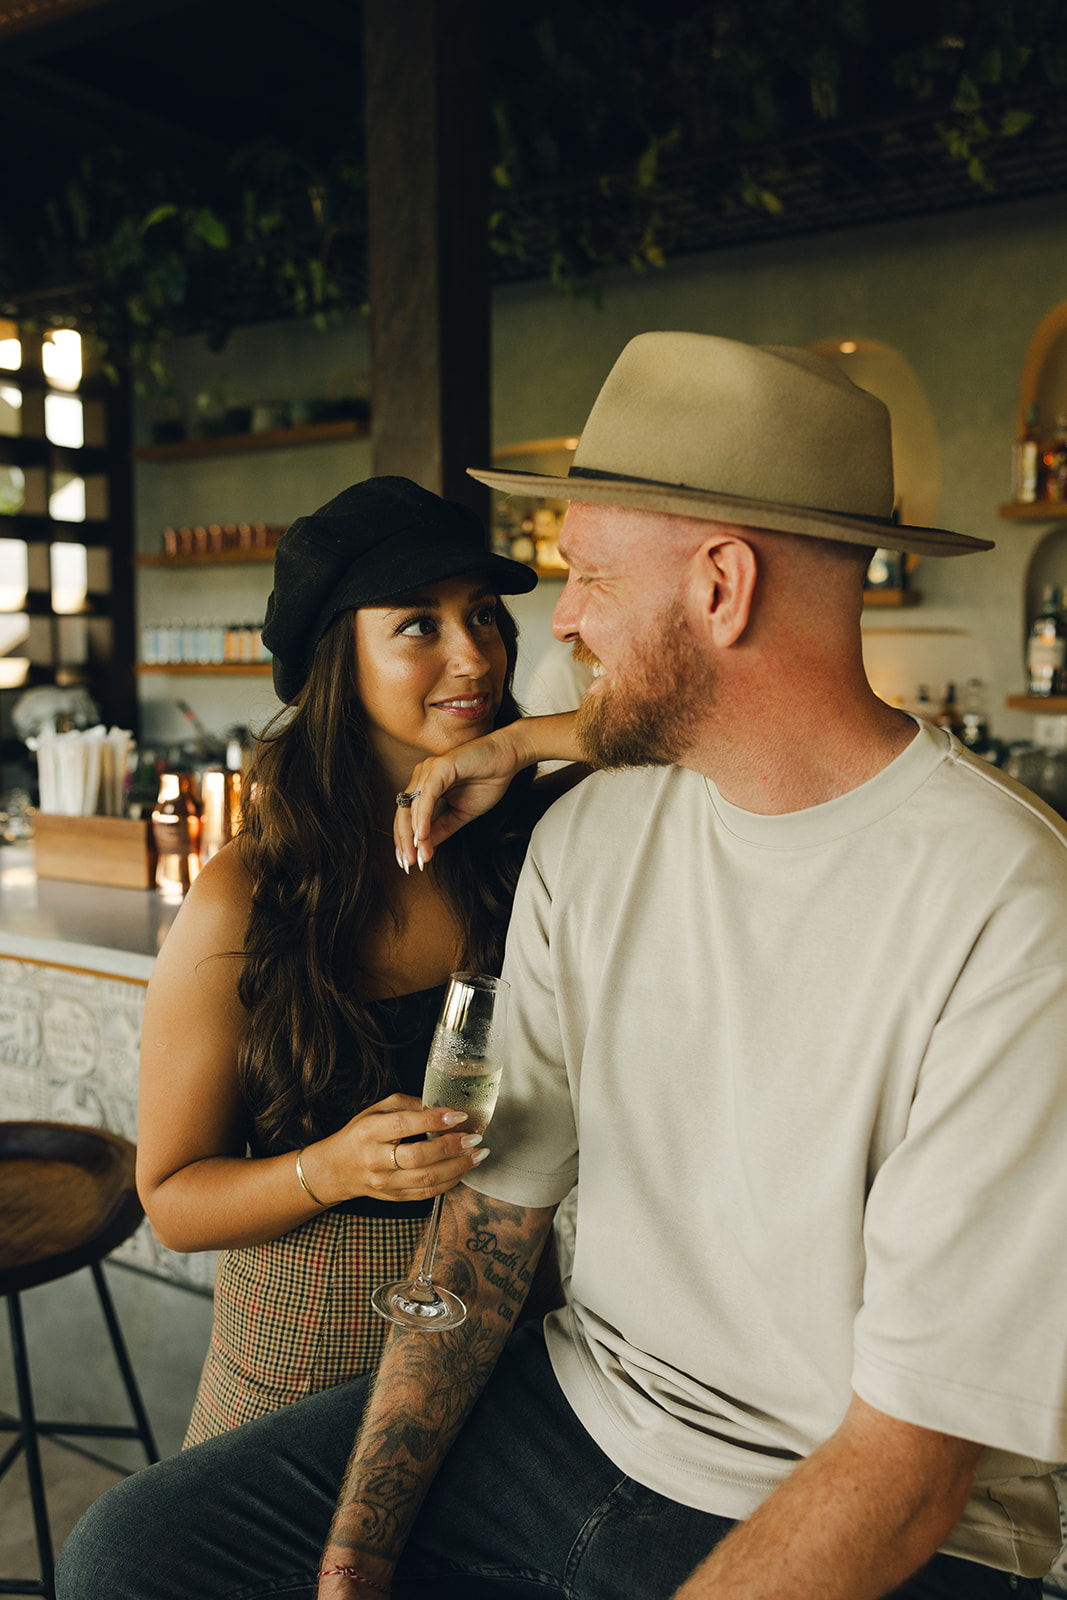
x: 462, y: 1074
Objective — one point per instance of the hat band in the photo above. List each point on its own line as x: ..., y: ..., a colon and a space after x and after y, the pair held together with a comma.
x: 594, y: 473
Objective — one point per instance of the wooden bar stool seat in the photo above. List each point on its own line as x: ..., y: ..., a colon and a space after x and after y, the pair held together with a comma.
x: 67, y: 1198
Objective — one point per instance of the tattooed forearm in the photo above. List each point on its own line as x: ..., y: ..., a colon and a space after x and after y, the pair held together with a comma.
x: 504, y: 1269
x: 426, y: 1384
x: 377, y: 1522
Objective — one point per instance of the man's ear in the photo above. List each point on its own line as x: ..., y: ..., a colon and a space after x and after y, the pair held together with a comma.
x: 725, y: 583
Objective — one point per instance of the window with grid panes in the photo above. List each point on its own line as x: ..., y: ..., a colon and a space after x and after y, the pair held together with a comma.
x: 66, y: 589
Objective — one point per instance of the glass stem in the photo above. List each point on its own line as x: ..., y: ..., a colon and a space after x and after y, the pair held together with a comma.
x: 429, y: 1249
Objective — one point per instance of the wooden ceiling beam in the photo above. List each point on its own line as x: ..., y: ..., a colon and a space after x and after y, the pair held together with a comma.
x: 427, y: 133
x: 30, y: 28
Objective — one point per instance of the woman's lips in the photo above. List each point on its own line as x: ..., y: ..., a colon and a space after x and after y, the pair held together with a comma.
x: 469, y: 708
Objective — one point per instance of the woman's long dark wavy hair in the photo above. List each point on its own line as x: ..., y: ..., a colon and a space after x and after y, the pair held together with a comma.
x: 317, y: 805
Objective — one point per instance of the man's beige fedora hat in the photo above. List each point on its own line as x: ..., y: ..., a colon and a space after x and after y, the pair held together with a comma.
x: 764, y: 436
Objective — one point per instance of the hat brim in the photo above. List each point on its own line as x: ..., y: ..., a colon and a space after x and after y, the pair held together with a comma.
x: 677, y: 500
x: 396, y: 572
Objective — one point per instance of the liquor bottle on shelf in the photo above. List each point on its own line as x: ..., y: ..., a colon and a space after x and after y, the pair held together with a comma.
x: 150, y: 652
x: 949, y: 715
x: 1046, y: 647
x: 1055, y: 464
x: 886, y: 570
x: 976, y: 735
x: 1026, y: 462
x: 176, y: 834
x: 175, y: 632
x: 924, y: 706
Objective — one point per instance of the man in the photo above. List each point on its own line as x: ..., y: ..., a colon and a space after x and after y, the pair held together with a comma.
x: 792, y: 996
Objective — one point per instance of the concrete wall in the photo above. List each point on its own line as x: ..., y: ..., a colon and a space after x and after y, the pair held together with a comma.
x: 959, y: 296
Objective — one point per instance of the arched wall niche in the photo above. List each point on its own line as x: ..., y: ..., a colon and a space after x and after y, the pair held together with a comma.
x: 885, y: 372
x: 1047, y: 565
x: 1044, y: 376
x: 899, y: 656
x: 1043, y: 383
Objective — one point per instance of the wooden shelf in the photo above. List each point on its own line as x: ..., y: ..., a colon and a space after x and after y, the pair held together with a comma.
x: 208, y: 669
x: 207, y: 558
x: 1050, y: 705
x: 891, y: 597
x: 210, y: 558
x: 1039, y: 511
x: 232, y: 444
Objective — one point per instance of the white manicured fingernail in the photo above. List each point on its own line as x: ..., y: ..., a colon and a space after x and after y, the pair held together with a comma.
x: 420, y: 858
x: 478, y: 1157
x: 469, y: 1140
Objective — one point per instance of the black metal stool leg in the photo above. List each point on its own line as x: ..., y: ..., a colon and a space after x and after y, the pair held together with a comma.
x: 144, y: 1427
x: 33, y: 1457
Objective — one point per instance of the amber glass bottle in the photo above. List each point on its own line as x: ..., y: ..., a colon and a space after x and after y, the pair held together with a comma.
x: 176, y: 834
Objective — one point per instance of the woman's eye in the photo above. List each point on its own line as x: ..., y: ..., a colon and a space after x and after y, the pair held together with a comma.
x: 417, y: 628
x: 485, y: 616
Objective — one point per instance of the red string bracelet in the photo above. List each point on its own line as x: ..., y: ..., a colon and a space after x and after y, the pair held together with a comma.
x: 350, y: 1572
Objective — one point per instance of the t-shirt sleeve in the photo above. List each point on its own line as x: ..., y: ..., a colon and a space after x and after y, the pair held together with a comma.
x: 532, y: 1138
x: 961, y: 1326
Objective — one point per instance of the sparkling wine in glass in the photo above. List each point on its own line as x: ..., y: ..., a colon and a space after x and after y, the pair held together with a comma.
x: 462, y: 1074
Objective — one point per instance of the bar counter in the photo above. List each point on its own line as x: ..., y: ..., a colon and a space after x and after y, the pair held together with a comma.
x: 117, y: 932
x: 75, y: 960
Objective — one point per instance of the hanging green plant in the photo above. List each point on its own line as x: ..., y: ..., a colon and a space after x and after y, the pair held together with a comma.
x: 613, y: 124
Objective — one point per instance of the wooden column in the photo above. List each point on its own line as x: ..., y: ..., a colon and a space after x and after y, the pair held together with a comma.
x: 427, y: 220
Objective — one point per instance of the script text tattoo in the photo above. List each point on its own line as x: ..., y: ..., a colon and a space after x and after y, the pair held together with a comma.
x: 505, y: 1270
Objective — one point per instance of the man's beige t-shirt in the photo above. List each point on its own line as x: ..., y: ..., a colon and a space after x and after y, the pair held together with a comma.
x: 815, y: 1066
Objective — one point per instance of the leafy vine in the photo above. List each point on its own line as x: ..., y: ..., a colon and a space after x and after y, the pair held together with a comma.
x: 600, y: 113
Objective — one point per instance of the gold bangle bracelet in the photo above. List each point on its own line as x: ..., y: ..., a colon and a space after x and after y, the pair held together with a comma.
x: 304, y: 1184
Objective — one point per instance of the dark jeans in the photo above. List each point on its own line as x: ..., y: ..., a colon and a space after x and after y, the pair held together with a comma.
x: 525, y: 1506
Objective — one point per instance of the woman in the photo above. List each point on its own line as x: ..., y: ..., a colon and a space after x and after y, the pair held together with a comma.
x: 291, y: 1008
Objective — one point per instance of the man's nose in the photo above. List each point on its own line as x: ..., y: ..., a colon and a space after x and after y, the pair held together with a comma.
x: 565, y: 615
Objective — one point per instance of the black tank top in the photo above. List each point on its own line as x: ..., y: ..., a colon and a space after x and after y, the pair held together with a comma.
x: 407, y: 1024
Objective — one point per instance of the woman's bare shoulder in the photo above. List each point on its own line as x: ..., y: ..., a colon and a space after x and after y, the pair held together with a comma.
x: 214, y: 914
x: 225, y: 876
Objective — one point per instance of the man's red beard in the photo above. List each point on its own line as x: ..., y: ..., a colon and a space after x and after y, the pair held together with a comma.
x: 645, y: 716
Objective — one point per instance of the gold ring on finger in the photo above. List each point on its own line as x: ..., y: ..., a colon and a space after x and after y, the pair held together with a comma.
x: 396, y: 1163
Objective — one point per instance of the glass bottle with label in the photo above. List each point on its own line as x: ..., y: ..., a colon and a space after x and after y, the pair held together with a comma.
x: 1055, y: 464
x: 216, y: 788
x: 924, y: 706
x: 886, y: 570
x: 176, y: 834
x: 949, y: 716
x: 1026, y: 462
x: 1046, y: 648
x: 976, y: 735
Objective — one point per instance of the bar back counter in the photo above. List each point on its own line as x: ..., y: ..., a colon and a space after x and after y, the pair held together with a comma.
x: 75, y: 960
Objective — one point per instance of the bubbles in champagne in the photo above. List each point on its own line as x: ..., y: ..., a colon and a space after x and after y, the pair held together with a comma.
x: 461, y: 1082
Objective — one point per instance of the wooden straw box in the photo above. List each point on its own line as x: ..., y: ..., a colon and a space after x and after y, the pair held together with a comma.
x: 116, y: 851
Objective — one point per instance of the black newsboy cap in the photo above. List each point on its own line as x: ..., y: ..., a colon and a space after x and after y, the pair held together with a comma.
x: 374, y: 540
